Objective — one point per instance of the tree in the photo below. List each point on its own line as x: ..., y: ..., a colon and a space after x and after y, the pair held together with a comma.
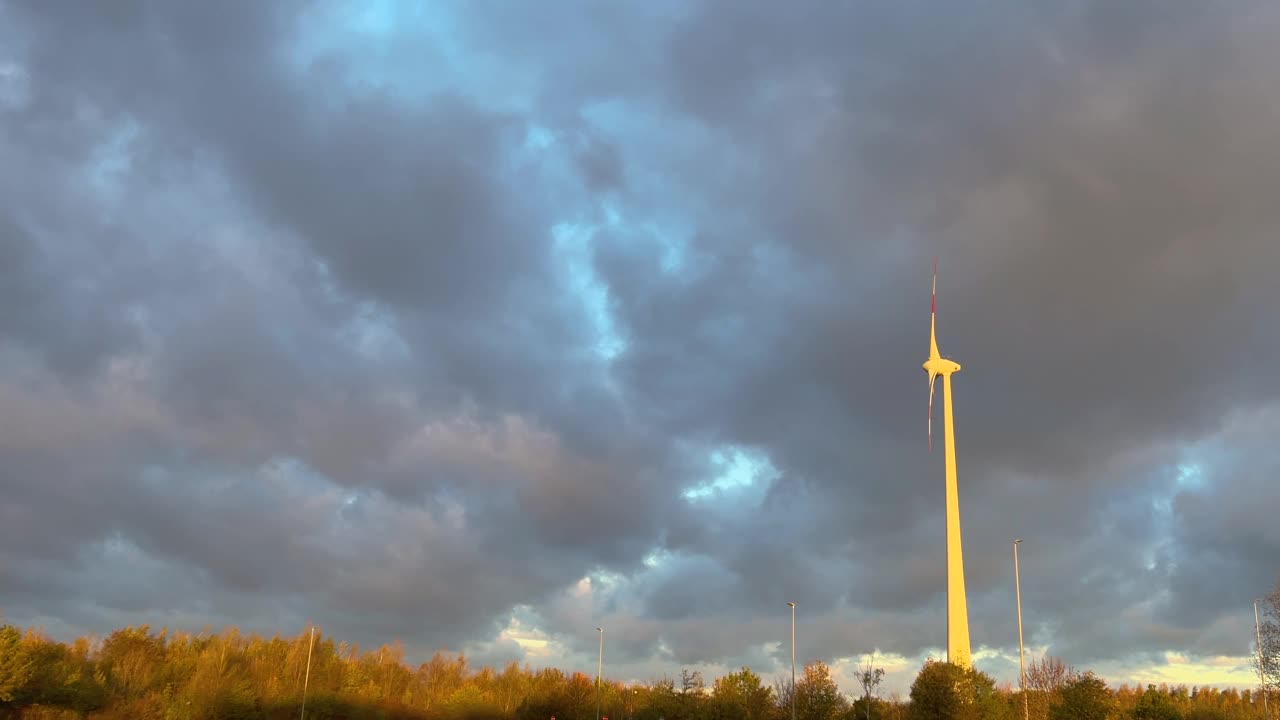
x: 1050, y: 675
x: 1269, y: 630
x: 1084, y: 698
x: 1155, y: 705
x: 1046, y: 679
x: 817, y: 695
x: 690, y: 681
x: 934, y: 694
x: 15, y: 663
x: 742, y: 695
x: 580, y: 697
x: 133, y: 659
x: 783, y: 696
x: 661, y: 701
x: 943, y: 691
x: 869, y: 678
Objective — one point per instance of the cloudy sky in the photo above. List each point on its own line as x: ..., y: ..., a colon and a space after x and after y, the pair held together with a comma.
x: 480, y: 324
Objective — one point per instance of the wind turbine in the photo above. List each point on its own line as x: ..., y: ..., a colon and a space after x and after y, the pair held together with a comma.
x: 957, y: 606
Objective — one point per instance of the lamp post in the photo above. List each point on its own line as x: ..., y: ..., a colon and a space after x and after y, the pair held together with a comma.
x: 599, y: 671
x: 1022, y: 664
x: 307, y: 679
x: 793, y: 659
x: 1262, y: 674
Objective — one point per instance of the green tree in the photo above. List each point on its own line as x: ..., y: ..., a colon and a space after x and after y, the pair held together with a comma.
x: 741, y: 695
x: 876, y: 709
x: 1085, y: 698
x: 1155, y: 705
x: 935, y: 694
x: 943, y: 691
x: 661, y: 701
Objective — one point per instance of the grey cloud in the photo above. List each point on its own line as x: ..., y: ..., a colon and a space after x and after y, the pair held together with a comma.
x: 54, y: 304
x: 299, y: 263
x: 601, y: 164
x: 1218, y: 540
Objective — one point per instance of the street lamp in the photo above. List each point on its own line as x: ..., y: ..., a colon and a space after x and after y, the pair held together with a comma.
x: 1022, y: 664
x: 599, y: 672
x: 306, y: 680
x: 1262, y: 674
x: 793, y: 659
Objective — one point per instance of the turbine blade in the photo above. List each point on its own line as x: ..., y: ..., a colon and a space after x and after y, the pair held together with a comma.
x: 933, y: 314
x: 932, y: 377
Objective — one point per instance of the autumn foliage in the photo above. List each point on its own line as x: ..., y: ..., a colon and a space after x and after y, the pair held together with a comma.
x: 138, y: 674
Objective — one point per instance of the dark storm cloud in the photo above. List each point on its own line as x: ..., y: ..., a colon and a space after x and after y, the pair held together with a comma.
x: 317, y: 333
x: 1121, y: 274
x: 39, y: 317
x: 255, y: 359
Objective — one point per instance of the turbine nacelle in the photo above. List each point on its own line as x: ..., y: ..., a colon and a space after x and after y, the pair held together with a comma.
x: 935, y: 366
x: 940, y: 366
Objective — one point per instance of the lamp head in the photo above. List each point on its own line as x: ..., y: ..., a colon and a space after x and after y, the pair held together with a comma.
x: 1019, y: 540
x: 791, y: 605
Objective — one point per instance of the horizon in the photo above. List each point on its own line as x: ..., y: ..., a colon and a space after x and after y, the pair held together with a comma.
x: 846, y: 682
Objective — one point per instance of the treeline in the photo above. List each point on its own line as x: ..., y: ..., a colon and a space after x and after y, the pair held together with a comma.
x: 138, y: 674
x: 1059, y: 692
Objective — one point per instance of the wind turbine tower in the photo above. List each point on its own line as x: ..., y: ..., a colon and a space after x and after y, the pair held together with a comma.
x: 957, y: 606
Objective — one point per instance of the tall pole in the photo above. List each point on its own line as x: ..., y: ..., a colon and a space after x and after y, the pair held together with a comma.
x: 1022, y: 663
x: 793, y: 660
x: 958, y: 649
x: 306, y: 680
x: 599, y: 672
x: 1262, y: 674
